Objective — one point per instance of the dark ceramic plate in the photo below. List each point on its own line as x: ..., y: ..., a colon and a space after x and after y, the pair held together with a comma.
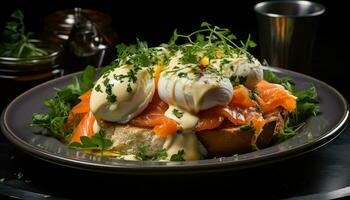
x: 318, y: 131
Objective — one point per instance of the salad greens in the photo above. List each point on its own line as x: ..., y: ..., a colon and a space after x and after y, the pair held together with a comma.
x: 61, y: 104
x: 15, y: 40
x: 306, y: 104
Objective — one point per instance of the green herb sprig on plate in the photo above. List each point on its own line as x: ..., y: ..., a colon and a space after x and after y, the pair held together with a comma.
x: 306, y: 104
x: 59, y: 106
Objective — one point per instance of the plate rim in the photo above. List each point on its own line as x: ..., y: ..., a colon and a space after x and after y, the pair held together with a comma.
x: 228, y: 163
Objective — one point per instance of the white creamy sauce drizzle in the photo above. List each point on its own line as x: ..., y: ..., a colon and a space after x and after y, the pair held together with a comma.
x: 187, y: 121
x: 187, y: 94
x: 192, y: 93
x: 128, y: 104
x: 96, y: 127
x: 187, y: 142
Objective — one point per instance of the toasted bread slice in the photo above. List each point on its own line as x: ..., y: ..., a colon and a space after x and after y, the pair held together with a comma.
x: 230, y: 141
x: 218, y: 142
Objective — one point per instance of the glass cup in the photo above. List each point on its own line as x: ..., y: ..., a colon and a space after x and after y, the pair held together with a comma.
x: 287, y: 31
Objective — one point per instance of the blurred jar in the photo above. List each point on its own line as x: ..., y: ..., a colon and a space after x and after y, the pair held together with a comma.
x: 59, y: 25
x: 20, y: 74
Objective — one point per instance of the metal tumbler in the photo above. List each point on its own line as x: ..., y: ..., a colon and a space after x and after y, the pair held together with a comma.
x: 287, y: 31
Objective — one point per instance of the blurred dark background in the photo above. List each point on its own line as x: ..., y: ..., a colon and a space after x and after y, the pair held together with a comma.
x: 154, y: 22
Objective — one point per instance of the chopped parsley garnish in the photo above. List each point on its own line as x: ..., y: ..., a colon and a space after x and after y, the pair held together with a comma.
x: 178, y: 156
x: 253, y: 94
x: 98, y: 88
x: 141, y: 153
x: 178, y: 113
x: 242, y: 79
x: 182, y: 74
x: 236, y: 80
x: 247, y: 127
x: 160, y: 155
x: 110, y: 96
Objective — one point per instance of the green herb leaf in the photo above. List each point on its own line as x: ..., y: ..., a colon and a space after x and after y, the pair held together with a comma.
x: 160, y: 155
x: 247, y: 127
x: 88, y: 77
x: 96, y: 142
x: 205, y: 24
x: 178, y: 113
x: 178, y: 156
x: 306, y: 105
x: 141, y: 152
x: 59, y: 107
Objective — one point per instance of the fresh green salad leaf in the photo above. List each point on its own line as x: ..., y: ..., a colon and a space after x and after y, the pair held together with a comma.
x: 96, y: 142
x: 60, y: 105
x: 142, y: 153
x: 178, y: 156
x: 160, y: 155
x: 15, y: 41
x: 88, y: 77
x: 306, y: 104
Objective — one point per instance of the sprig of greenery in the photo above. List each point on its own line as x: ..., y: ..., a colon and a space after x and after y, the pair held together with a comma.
x: 209, y: 39
x: 60, y: 105
x: 178, y: 156
x: 248, y: 127
x: 141, y: 153
x: 96, y: 142
x: 306, y: 104
x: 177, y: 113
x: 160, y: 155
x: 16, y: 40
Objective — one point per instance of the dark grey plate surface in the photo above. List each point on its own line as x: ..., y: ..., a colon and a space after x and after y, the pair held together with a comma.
x: 318, y: 131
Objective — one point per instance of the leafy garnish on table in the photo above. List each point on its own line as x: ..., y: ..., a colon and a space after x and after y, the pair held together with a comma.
x: 60, y: 105
x: 306, y: 104
x: 15, y: 40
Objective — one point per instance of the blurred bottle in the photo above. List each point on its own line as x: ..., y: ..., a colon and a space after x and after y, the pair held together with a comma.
x: 84, y: 46
x: 87, y: 37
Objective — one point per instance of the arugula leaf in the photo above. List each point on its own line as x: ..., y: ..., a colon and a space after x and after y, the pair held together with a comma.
x: 16, y: 41
x: 178, y: 156
x: 286, y: 82
x: 96, y: 142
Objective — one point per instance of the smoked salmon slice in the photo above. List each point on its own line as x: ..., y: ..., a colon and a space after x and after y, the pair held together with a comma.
x: 153, y: 116
x: 240, y: 111
x: 84, y: 128
x: 272, y: 96
x: 81, y: 119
